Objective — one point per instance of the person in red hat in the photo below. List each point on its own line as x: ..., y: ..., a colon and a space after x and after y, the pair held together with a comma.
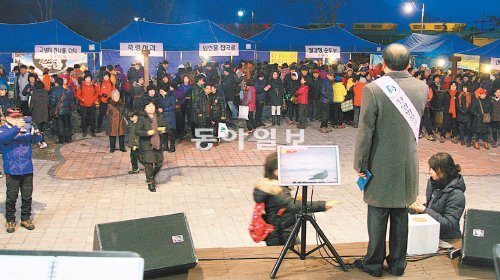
x: 16, y: 137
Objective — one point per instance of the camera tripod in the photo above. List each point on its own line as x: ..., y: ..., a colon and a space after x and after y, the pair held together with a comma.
x: 303, y: 217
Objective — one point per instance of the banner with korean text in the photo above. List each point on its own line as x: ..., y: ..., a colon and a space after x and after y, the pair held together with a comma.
x: 495, y: 63
x: 219, y: 49
x: 134, y: 49
x: 330, y: 52
x: 282, y: 57
x: 470, y: 62
x: 57, y: 52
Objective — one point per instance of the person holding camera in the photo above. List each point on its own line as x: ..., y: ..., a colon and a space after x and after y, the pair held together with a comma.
x: 16, y: 137
x: 104, y: 90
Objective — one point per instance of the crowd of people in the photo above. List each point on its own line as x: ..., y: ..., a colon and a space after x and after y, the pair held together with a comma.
x: 467, y: 106
x: 191, y: 99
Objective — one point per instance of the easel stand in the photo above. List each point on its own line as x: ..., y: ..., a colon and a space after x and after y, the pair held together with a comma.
x: 304, y: 217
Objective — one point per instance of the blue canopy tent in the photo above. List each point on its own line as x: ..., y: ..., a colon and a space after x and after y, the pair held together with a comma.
x: 428, y: 48
x: 486, y: 52
x: 180, y: 42
x: 280, y: 37
x: 22, y: 38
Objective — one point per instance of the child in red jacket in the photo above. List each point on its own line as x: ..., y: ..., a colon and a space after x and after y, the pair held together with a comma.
x: 302, y: 100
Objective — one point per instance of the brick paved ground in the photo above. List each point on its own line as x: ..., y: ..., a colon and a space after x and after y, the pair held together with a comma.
x: 214, y: 191
x: 90, y: 158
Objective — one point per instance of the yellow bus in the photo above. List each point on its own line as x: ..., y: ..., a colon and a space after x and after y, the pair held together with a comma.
x: 374, y: 26
x: 439, y: 26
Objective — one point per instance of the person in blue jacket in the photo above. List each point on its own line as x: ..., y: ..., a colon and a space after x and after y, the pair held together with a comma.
x: 326, y: 99
x: 4, y: 78
x: 167, y: 102
x: 63, y: 101
x: 16, y: 137
x: 4, y: 99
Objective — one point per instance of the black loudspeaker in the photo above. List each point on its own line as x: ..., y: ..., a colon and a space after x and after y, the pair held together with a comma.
x: 481, y: 233
x: 164, y: 242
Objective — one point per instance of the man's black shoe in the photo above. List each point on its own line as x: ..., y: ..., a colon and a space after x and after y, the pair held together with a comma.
x: 151, y: 188
x: 361, y: 266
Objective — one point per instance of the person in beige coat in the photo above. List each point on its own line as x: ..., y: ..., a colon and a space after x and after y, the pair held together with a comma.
x: 386, y: 146
x: 117, y: 124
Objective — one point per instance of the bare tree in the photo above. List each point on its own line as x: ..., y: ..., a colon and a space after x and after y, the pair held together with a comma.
x: 41, y: 10
x: 45, y: 9
x: 169, y: 5
x: 326, y: 10
x: 334, y: 6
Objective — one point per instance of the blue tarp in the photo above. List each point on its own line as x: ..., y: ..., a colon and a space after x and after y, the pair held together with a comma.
x: 280, y: 37
x: 486, y: 52
x: 175, y: 37
x: 22, y: 38
x: 180, y: 43
x: 433, y: 46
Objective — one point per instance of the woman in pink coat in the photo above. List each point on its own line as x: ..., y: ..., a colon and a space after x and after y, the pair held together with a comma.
x: 249, y: 100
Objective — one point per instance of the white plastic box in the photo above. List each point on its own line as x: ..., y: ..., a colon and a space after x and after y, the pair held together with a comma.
x: 423, y: 235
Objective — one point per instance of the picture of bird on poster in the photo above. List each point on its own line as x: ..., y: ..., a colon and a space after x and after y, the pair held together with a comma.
x: 308, y: 165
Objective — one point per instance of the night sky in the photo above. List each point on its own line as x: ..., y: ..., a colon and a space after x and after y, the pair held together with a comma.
x: 99, y: 19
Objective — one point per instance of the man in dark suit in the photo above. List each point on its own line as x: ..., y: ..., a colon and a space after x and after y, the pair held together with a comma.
x: 387, y: 147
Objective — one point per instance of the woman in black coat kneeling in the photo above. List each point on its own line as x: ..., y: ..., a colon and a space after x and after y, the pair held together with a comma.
x: 445, y: 199
x: 275, y: 198
x: 149, y: 127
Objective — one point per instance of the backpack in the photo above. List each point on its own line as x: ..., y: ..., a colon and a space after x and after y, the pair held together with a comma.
x: 259, y: 229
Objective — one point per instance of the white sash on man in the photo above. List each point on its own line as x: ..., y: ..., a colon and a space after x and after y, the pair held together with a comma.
x: 401, y: 101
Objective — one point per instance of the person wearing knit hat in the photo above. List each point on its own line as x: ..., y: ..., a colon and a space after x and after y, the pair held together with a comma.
x: 291, y: 83
x: 17, y: 137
